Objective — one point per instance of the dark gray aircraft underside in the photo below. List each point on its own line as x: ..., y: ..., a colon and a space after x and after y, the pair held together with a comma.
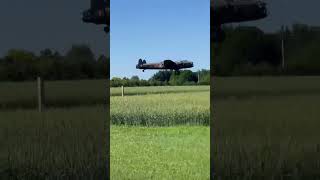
x: 166, y: 65
x: 99, y: 13
x: 234, y: 11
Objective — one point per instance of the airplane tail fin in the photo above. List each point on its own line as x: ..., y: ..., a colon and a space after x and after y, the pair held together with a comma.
x: 141, y: 62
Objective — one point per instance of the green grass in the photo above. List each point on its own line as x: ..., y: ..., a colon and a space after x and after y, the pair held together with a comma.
x: 58, y: 93
x: 57, y: 144
x: 69, y: 140
x: 246, y: 87
x: 116, y: 91
x: 75, y: 93
x: 266, y: 128
x: 162, y: 134
x: 181, y: 152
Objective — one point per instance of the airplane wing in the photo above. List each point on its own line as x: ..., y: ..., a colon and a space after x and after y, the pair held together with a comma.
x: 169, y: 64
x: 234, y: 11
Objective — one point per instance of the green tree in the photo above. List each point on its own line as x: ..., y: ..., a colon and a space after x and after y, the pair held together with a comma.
x: 80, y: 62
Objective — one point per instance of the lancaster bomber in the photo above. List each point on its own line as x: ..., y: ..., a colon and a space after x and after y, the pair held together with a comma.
x: 234, y: 11
x: 99, y: 13
x: 166, y: 64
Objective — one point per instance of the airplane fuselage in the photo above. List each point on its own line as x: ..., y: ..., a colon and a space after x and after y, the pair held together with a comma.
x: 166, y: 64
x: 234, y: 11
x: 237, y: 11
x: 99, y: 13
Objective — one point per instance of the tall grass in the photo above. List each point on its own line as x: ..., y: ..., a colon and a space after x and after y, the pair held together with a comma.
x: 266, y: 128
x: 57, y: 144
x: 57, y: 93
x: 161, y: 109
x: 75, y: 93
x: 116, y: 91
x: 142, y: 148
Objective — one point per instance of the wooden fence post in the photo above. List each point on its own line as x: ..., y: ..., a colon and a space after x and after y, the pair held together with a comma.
x: 122, y: 91
x: 41, y: 95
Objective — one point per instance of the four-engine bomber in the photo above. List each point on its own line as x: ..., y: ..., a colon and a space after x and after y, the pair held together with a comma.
x: 166, y: 64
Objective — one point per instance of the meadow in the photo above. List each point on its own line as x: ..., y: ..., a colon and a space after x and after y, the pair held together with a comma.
x: 60, y: 94
x: 61, y: 143
x: 68, y: 140
x: 75, y: 93
x: 190, y: 108
x: 266, y: 127
x: 160, y: 134
x: 116, y: 91
x: 179, y: 152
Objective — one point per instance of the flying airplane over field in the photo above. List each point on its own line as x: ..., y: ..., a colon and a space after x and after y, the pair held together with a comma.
x: 166, y: 64
x: 234, y: 11
x: 99, y: 13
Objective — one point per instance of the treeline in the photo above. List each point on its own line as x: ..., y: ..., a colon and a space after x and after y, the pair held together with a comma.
x: 165, y: 78
x: 78, y: 63
x: 250, y: 51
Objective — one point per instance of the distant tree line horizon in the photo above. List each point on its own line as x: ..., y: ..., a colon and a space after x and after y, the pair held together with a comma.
x: 79, y: 62
x: 248, y: 51
x: 165, y: 78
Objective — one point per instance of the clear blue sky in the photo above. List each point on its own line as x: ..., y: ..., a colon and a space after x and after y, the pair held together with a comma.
x: 156, y: 30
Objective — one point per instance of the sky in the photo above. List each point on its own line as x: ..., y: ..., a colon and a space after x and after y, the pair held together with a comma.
x: 34, y: 25
x: 156, y: 30
x: 150, y: 29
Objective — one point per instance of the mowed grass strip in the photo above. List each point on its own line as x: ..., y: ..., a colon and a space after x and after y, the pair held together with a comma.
x: 56, y: 144
x: 244, y: 87
x: 264, y: 136
x: 75, y: 93
x: 117, y: 91
x: 180, y: 152
x: 161, y: 109
x: 57, y: 93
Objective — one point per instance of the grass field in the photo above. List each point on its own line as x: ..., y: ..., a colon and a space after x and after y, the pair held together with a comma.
x: 75, y: 93
x: 180, y: 152
x: 58, y: 94
x: 161, y: 133
x: 58, y: 144
x: 266, y: 128
x: 116, y: 91
x: 68, y: 140
x: 161, y: 109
